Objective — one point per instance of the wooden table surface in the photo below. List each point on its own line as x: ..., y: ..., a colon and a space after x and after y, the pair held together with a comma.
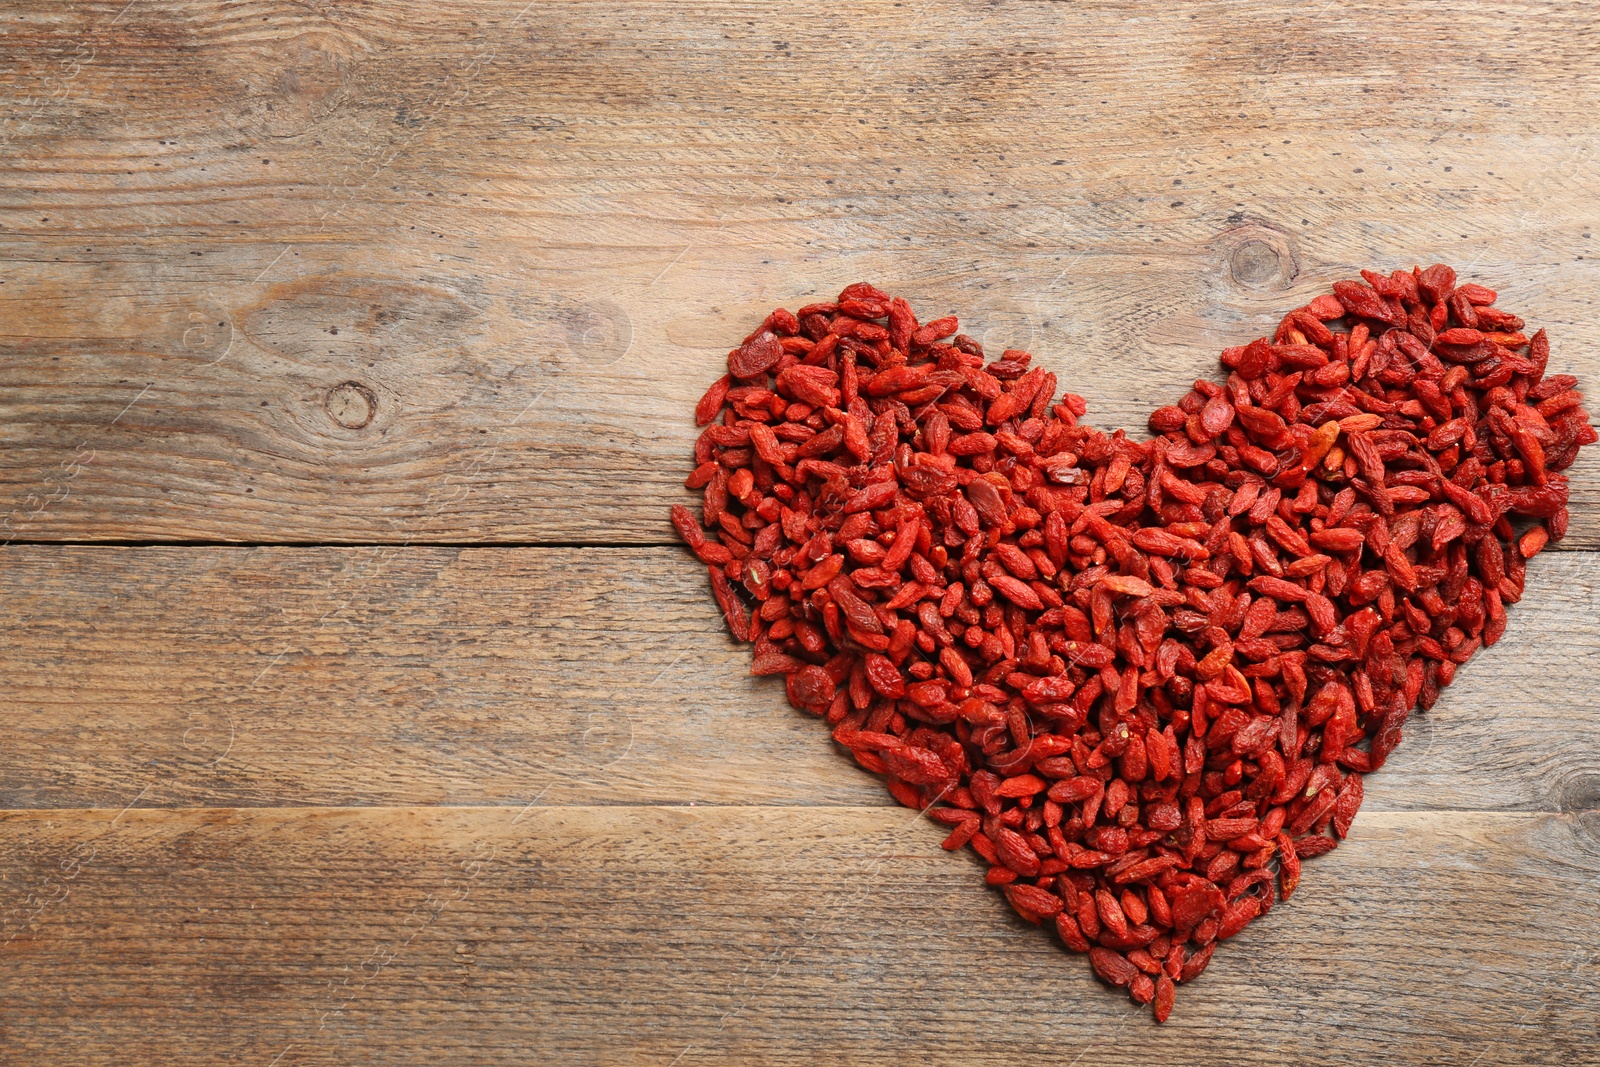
x: 358, y: 706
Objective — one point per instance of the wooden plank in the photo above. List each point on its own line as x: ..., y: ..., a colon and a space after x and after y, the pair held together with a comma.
x: 294, y: 676
x: 748, y: 935
x: 537, y: 229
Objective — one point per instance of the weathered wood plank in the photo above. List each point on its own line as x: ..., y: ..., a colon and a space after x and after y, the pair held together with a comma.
x: 748, y: 935
x: 537, y: 229
x: 292, y: 676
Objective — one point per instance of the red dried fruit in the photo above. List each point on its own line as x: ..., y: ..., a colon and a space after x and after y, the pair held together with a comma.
x: 756, y: 356
x: 711, y: 404
x: 1194, y: 904
x: 1112, y: 966
x: 1032, y: 902
x: 1165, y: 992
x: 1133, y: 672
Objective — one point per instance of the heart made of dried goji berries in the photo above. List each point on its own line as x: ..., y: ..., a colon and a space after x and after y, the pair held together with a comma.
x: 1134, y: 676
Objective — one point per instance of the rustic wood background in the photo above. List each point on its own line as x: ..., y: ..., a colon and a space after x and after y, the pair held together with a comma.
x: 357, y: 706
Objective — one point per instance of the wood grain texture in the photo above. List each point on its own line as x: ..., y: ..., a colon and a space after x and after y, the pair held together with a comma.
x: 775, y: 935
x: 416, y: 275
x: 366, y: 676
x: 456, y: 271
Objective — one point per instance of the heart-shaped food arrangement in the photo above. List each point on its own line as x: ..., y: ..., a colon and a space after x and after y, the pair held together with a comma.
x: 1141, y: 679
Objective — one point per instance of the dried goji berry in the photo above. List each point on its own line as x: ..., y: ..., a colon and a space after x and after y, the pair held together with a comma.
x: 1138, y: 671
